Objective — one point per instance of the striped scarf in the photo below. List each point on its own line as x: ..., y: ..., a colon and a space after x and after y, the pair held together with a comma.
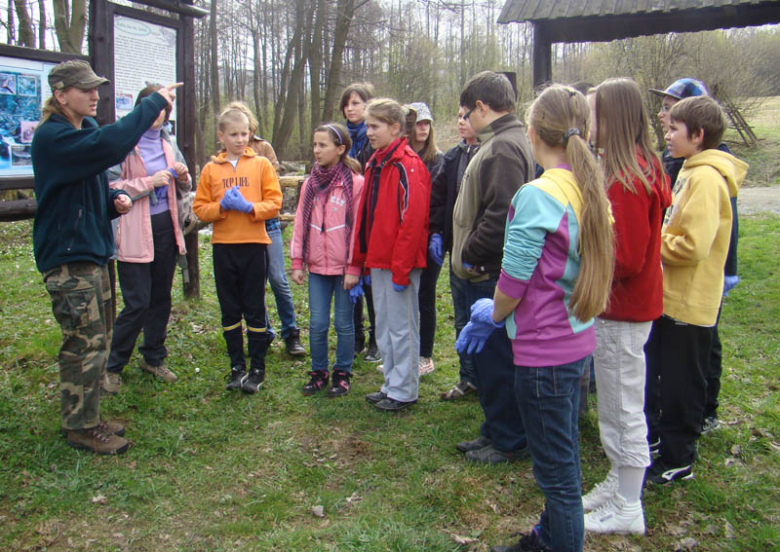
x: 322, y: 182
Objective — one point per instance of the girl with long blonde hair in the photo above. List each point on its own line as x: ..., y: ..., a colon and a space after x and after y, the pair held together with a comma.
x: 555, y: 277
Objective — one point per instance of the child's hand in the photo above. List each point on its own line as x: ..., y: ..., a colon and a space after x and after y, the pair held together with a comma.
x: 123, y: 204
x: 398, y: 287
x: 182, y: 170
x: 350, y: 281
x: 161, y: 178
x: 297, y: 276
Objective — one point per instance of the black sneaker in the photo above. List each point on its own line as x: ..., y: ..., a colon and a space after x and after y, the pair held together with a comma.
x: 339, y: 384
x: 527, y: 543
x: 236, y: 378
x: 373, y: 398
x: 710, y: 424
x: 253, y: 381
x: 655, y: 448
x: 478, y: 443
x: 391, y: 405
x: 372, y: 355
x: 319, y: 379
x: 661, y: 474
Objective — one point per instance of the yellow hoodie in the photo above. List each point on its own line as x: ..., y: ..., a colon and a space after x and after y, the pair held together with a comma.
x: 258, y: 183
x: 695, y: 236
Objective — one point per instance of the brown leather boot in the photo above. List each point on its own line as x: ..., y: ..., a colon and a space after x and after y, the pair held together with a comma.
x: 95, y: 440
x: 160, y: 371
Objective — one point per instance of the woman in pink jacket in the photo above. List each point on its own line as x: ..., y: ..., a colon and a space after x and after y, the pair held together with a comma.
x: 148, y: 238
x: 325, y: 223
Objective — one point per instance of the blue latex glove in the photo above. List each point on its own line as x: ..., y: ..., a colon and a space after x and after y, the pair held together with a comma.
x: 367, y: 280
x: 356, y: 292
x: 467, y: 266
x: 399, y: 287
x: 173, y: 173
x: 728, y: 284
x: 233, y: 200
x: 435, y: 249
x: 476, y: 333
x: 228, y: 200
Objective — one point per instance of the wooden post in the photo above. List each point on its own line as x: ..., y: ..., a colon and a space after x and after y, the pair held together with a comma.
x: 542, y: 56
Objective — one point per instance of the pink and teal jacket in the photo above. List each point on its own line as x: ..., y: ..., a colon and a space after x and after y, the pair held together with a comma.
x: 540, y: 266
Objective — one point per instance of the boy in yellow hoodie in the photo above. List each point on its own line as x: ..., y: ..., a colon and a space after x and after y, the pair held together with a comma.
x: 238, y: 190
x: 694, y: 244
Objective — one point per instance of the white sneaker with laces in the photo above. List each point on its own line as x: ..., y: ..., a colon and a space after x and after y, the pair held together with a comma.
x: 601, y: 493
x: 617, y: 516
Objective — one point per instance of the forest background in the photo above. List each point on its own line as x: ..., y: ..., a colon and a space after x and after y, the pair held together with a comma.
x: 290, y: 59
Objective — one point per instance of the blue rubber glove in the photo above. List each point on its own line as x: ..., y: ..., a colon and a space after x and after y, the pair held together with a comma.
x: 728, y: 284
x: 233, y: 200
x: 173, y: 173
x: 356, y: 292
x: 435, y: 249
x: 476, y: 333
x: 467, y: 266
x: 398, y: 287
x: 367, y: 280
x: 228, y: 202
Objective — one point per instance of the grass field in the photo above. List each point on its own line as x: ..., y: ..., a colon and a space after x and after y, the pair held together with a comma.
x: 213, y: 471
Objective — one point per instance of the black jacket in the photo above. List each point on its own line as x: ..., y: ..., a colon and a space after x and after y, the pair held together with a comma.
x: 444, y: 190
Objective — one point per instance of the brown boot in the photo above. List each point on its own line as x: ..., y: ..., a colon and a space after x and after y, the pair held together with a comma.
x: 95, y: 440
x: 107, y: 428
x: 160, y: 371
x: 111, y: 383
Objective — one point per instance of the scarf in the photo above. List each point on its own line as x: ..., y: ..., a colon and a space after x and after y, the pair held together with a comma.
x: 357, y: 133
x: 321, y: 183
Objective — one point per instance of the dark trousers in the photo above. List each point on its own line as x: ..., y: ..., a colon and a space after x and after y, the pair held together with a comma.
x: 427, y: 303
x: 146, y: 291
x: 677, y: 365
x: 494, y: 369
x: 714, y: 373
x: 358, y: 318
x: 237, y: 270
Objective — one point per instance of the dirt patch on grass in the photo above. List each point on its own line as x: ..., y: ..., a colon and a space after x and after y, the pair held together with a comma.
x: 753, y: 201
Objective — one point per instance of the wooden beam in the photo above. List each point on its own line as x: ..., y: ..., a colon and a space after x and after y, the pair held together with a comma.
x: 542, y: 55
x: 19, y: 209
x: 606, y: 28
x: 16, y: 183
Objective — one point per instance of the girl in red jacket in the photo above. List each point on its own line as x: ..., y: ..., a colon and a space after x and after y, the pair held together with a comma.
x: 639, y: 191
x: 391, y: 242
x: 325, y: 223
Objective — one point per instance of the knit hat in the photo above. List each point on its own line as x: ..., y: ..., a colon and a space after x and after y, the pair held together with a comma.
x: 76, y: 73
x: 683, y: 88
x: 423, y: 112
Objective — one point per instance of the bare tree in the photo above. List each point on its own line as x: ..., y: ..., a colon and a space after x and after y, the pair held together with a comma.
x: 26, y: 33
x: 70, y: 22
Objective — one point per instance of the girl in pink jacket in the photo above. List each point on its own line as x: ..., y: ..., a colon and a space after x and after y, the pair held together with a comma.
x: 324, y: 231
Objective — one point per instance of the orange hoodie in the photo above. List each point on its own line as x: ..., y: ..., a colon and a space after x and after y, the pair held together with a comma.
x: 258, y: 183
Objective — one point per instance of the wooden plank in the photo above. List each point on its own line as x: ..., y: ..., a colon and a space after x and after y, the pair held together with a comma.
x: 542, y: 56
x: 16, y: 183
x: 292, y: 181
x: 37, y: 55
x: 19, y: 209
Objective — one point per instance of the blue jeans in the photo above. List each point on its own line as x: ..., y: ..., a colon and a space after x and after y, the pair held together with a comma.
x: 549, y: 398
x: 278, y: 280
x: 494, y: 368
x: 321, y: 290
x: 462, y: 308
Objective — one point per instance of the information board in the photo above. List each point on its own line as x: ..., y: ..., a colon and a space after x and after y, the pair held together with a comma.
x: 144, y: 53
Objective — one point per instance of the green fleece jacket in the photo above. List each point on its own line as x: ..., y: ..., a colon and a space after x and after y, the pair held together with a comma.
x: 75, y: 204
x: 696, y: 233
x: 503, y: 163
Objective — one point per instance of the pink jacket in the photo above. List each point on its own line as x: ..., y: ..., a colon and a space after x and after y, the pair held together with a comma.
x: 327, y: 253
x: 134, y: 240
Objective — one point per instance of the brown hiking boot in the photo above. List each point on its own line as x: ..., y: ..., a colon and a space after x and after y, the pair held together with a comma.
x: 108, y: 428
x: 160, y: 371
x: 111, y: 383
x: 95, y: 440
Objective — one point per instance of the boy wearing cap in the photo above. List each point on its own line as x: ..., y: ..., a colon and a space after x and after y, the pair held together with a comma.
x: 694, y: 244
x: 679, y: 90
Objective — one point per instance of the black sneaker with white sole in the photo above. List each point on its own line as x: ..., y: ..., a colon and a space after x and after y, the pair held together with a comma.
x: 236, y: 378
x: 253, y: 381
x: 661, y: 474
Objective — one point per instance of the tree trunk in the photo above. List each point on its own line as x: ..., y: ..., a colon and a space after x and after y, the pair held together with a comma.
x: 315, y: 66
x: 345, y: 13
x: 41, y: 24
x: 70, y: 23
x: 26, y: 33
x: 11, y: 24
x: 214, y: 58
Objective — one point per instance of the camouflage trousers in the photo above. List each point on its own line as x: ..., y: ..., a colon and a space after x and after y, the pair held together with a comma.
x: 81, y: 303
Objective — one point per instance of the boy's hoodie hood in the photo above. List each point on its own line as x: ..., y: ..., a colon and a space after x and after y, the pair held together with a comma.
x: 221, y: 157
x: 731, y: 168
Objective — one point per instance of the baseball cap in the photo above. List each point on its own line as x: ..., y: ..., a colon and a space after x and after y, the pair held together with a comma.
x: 683, y: 88
x: 76, y: 73
x: 423, y: 112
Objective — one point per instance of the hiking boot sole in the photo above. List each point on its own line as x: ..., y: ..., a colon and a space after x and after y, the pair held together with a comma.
x: 120, y: 450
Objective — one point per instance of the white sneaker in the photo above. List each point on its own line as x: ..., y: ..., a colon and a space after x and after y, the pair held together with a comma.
x: 601, y: 493
x: 617, y: 516
x: 426, y: 366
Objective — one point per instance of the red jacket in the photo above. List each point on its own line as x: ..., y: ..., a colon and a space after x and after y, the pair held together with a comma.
x: 392, y: 222
x: 637, y: 286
